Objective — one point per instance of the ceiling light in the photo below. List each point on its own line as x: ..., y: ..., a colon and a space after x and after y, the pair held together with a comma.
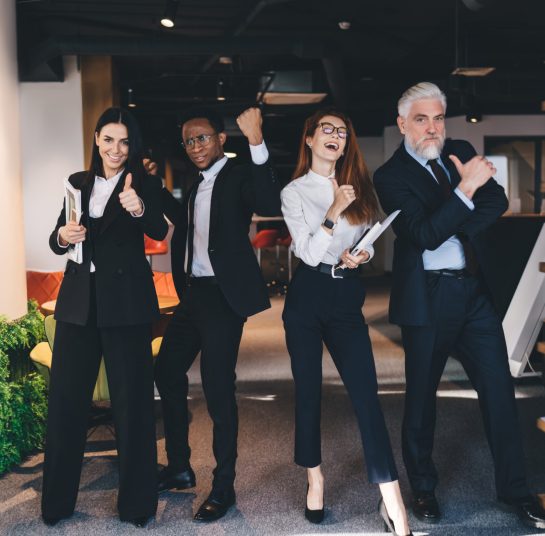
x: 170, y: 13
x: 473, y: 71
x: 219, y: 91
x: 225, y: 60
x: 474, y: 117
x: 344, y: 25
x: 230, y: 155
x: 130, y: 101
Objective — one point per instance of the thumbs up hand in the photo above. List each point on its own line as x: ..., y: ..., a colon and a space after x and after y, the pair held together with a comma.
x: 128, y: 198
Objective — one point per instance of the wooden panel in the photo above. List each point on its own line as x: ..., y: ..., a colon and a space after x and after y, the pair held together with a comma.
x: 98, y: 92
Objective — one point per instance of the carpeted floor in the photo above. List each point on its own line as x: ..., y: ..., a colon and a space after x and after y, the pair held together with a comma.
x: 270, y: 488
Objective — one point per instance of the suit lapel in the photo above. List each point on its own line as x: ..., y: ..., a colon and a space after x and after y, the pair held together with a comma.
x: 113, y: 206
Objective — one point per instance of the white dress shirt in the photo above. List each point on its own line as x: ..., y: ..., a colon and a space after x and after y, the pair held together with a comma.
x: 201, y: 265
x: 450, y: 254
x: 305, y: 202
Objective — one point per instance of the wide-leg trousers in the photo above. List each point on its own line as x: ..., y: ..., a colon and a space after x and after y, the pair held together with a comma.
x: 204, y: 322
x: 320, y: 309
x: 77, y: 353
x: 464, y: 323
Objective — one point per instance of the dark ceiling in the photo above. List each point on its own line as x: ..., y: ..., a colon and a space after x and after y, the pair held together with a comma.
x: 390, y: 45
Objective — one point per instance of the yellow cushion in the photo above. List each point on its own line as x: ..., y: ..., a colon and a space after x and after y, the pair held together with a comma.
x: 42, y: 354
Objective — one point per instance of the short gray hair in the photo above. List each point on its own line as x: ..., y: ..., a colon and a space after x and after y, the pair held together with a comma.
x: 423, y: 90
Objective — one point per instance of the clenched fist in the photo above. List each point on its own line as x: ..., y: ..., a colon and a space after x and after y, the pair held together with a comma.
x: 71, y: 233
x: 250, y: 122
x: 474, y: 173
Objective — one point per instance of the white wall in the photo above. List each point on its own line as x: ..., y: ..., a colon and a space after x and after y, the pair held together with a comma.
x: 52, y: 149
x: 12, y: 282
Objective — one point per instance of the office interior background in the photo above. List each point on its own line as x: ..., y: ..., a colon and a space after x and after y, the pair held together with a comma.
x: 62, y: 62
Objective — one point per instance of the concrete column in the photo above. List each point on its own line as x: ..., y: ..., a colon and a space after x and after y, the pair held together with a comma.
x: 12, y: 239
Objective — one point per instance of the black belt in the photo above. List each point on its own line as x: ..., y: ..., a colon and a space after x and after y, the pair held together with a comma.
x: 458, y: 274
x: 326, y: 269
x: 204, y: 281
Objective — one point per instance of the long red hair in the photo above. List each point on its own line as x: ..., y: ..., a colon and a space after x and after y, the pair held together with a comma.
x: 350, y: 169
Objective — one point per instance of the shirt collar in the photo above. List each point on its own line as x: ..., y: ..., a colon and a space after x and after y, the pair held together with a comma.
x: 212, y: 172
x: 114, y: 180
x: 316, y: 176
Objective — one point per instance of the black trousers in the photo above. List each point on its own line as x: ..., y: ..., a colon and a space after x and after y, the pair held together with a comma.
x: 320, y: 309
x: 464, y: 322
x: 203, y: 322
x: 77, y: 352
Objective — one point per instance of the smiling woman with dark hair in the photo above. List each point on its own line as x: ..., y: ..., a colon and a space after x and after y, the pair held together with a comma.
x: 327, y: 207
x: 105, y: 307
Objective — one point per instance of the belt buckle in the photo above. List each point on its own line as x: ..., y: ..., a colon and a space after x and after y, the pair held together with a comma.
x: 333, y: 269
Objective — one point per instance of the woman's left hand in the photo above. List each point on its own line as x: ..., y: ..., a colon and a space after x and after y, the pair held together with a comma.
x: 128, y: 198
x: 353, y: 261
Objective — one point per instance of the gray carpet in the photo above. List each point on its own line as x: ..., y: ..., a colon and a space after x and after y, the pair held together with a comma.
x: 270, y: 488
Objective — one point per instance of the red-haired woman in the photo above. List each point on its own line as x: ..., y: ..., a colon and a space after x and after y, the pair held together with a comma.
x: 327, y: 207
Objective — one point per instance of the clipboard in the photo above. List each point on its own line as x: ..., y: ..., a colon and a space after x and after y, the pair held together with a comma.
x: 366, y: 239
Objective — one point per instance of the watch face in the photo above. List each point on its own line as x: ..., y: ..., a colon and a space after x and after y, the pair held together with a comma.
x: 329, y: 224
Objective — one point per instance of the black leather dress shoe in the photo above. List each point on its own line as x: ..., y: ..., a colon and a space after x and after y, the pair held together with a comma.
x: 425, y: 506
x: 168, y: 479
x: 139, y: 522
x: 528, y: 509
x: 314, y: 516
x: 216, y: 506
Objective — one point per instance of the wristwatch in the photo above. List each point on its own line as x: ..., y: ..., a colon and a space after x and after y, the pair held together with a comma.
x: 330, y: 224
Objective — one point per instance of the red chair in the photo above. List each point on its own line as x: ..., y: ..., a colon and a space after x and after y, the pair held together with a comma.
x: 266, y: 238
x: 154, y: 247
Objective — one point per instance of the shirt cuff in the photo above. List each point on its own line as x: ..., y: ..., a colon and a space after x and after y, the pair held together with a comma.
x: 371, y: 250
x: 467, y: 202
x: 134, y: 215
x: 59, y: 242
x: 260, y: 153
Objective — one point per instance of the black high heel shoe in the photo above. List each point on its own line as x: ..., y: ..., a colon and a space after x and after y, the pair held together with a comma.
x: 388, y: 523
x: 314, y: 516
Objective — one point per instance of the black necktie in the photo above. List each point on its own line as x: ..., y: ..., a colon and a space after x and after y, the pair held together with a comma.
x: 472, y: 265
x: 191, y: 226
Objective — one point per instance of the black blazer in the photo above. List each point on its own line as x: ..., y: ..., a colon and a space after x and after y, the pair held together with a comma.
x: 426, y: 221
x: 238, y: 192
x: 125, y: 293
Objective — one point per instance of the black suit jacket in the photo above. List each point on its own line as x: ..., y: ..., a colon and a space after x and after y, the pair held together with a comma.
x: 238, y: 192
x: 426, y: 221
x: 125, y: 293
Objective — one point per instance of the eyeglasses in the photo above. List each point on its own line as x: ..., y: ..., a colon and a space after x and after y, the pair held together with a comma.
x: 328, y: 128
x: 201, y: 139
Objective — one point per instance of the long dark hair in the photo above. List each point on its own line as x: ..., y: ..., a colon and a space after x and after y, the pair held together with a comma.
x: 350, y: 169
x: 134, y: 161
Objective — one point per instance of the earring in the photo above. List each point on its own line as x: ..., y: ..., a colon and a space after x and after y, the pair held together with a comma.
x: 309, y: 144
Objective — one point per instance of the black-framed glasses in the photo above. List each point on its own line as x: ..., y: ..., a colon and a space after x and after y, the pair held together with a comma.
x: 201, y: 139
x: 328, y: 128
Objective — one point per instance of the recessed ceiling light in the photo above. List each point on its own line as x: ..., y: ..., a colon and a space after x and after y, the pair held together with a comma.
x: 225, y: 60
x: 230, y: 155
x: 473, y: 71
x: 170, y: 13
x: 344, y: 25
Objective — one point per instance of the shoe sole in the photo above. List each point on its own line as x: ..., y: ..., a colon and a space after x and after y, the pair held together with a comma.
x: 178, y: 488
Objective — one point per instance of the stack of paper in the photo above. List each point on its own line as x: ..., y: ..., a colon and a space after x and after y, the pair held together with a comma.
x: 72, y: 208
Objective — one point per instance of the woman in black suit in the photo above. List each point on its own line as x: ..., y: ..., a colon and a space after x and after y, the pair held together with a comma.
x: 105, y: 307
x: 327, y: 207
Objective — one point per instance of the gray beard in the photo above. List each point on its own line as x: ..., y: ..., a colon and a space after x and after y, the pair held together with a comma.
x: 429, y: 152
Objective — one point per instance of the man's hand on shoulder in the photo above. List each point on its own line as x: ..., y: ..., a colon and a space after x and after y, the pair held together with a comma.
x: 474, y: 173
x: 249, y: 122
